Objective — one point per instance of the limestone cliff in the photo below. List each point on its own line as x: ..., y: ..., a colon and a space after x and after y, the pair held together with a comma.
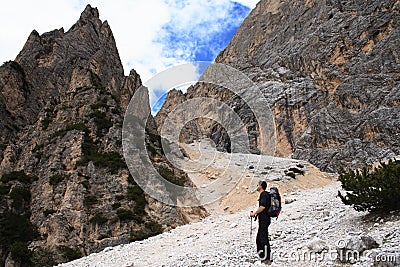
x: 63, y: 176
x: 330, y: 72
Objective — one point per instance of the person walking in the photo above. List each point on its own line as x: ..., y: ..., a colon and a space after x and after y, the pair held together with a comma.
x: 262, y: 241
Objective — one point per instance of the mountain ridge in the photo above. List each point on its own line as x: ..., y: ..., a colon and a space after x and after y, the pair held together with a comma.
x: 62, y: 169
x: 329, y: 72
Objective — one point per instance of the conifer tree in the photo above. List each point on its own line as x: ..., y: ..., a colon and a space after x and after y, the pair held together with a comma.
x: 372, y: 189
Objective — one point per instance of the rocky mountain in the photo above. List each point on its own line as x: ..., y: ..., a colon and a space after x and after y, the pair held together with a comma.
x: 329, y: 71
x: 65, y: 188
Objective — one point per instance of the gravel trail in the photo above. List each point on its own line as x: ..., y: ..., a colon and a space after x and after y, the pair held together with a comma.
x: 314, y: 221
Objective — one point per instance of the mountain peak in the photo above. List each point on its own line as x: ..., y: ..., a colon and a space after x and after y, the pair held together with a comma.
x: 90, y: 13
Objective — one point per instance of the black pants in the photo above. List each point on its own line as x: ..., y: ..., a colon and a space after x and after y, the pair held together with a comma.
x: 262, y: 241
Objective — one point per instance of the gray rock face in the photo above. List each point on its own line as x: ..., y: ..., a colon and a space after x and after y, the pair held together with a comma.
x: 330, y: 71
x: 62, y: 103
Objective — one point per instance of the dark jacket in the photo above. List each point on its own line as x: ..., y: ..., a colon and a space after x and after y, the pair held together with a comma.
x: 264, y: 200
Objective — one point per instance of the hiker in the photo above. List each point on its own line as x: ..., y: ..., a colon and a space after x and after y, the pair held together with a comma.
x: 264, y: 220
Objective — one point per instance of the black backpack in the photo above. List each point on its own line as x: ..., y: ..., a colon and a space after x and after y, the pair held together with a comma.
x: 276, y: 205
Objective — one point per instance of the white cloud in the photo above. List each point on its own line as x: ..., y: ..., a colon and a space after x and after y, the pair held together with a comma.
x: 19, y: 18
x: 151, y: 35
x: 249, y: 3
x: 178, y: 77
x: 174, y: 77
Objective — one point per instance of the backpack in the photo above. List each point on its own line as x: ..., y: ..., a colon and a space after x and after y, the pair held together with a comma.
x: 276, y: 206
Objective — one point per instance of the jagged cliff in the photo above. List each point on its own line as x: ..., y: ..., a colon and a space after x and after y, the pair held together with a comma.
x: 64, y: 180
x: 330, y: 73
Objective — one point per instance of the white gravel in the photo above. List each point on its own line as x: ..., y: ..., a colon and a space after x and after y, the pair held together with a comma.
x: 316, y: 220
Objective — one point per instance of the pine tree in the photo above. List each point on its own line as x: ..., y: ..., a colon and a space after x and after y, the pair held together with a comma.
x: 372, y: 189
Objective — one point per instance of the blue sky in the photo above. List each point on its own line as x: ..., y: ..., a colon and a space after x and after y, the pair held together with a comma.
x: 151, y: 35
x: 179, y: 77
x: 201, y: 40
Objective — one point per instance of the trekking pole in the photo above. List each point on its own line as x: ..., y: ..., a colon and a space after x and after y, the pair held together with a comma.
x: 251, y: 227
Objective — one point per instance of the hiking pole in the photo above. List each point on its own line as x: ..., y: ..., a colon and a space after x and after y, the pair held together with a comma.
x: 251, y: 226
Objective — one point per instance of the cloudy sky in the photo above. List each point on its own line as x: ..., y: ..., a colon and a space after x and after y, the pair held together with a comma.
x: 151, y: 35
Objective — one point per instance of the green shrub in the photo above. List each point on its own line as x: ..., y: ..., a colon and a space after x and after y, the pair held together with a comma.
x: 138, y: 235
x: 152, y: 150
x: 116, y: 205
x: 154, y: 138
x: 83, y: 88
x: 114, y: 97
x: 155, y: 142
x: 14, y: 228
x: 56, y: 179
x: 89, y: 200
x: 69, y: 254
x: 43, y: 257
x: 88, y: 149
x: 20, y: 252
x: 150, y: 229
x: 78, y: 126
x: 4, y: 189
x: 98, y: 219
x: 46, y: 122
x: 136, y: 194
x: 102, y: 122
x: 154, y: 227
x: 20, y: 176
x: 37, y: 148
x: 16, y: 66
x: 38, y: 155
x: 125, y: 215
x: 111, y: 160
x: 86, y: 184
x: 119, y: 197
x: 20, y: 197
x: 48, y: 212
x: 372, y: 189
x: 114, y: 220
x: 100, y: 104
x: 131, y: 180
x: 96, y: 81
x: 83, y: 175
x: 169, y: 175
x: 3, y: 146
